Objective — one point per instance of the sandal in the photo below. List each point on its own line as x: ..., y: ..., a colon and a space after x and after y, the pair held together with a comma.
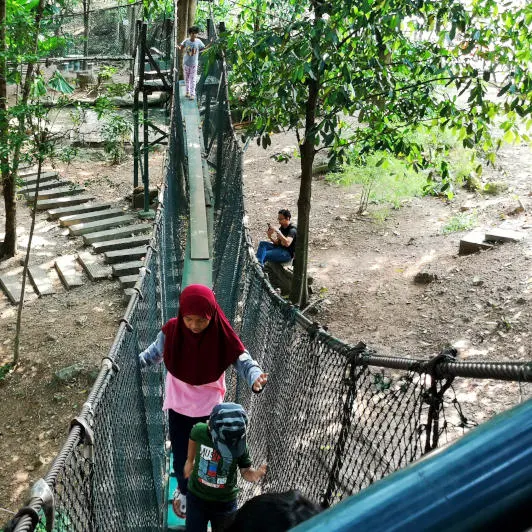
x: 179, y: 504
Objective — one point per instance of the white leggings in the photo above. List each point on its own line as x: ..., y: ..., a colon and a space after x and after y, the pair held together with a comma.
x: 190, y: 79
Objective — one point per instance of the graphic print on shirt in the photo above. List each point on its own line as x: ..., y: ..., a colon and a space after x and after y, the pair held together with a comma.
x: 191, y: 50
x: 208, y: 468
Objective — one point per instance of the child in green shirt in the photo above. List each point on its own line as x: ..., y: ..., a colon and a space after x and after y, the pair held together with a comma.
x: 215, y: 450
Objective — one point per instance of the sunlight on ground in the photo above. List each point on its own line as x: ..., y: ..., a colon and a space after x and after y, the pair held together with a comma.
x: 410, y: 271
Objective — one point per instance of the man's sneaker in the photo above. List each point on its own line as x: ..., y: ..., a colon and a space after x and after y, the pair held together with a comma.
x: 180, y: 503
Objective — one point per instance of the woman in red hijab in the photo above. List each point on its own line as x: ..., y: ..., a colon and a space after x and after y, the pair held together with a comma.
x: 197, y: 347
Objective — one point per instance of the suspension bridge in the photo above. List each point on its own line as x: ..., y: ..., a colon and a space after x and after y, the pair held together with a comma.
x: 357, y: 432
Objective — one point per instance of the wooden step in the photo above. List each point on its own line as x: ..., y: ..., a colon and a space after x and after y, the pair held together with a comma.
x: 112, y: 257
x: 57, y: 193
x: 121, y: 243
x: 124, y: 269
x: 43, y: 186
x: 92, y: 216
x: 93, y: 268
x: 54, y: 214
x: 30, y: 179
x: 43, y: 205
x: 100, y: 225
x: 128, y: 281
x: 115, y: 234
x: 69, y: 271
x: 44, y: 278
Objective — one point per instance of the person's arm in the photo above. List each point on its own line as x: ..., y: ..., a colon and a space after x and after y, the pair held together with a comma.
x: 253, y: 475
x: 153, y: 354
x: 272, y: 234
x: 251, y: 372
x: 191, y: 455
x: 284, y: 241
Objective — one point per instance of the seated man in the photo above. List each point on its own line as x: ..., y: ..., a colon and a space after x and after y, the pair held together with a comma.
x: 282, y: 245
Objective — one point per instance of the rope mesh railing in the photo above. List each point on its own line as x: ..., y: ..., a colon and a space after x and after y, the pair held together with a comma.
x: 333, y: 419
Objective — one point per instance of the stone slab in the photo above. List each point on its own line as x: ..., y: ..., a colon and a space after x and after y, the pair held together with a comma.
x: 31, y: 189
x: 92, y: 266
x: 11, y: 284
x: 43, y: 205
x: 30, y: 179
x: 115, y: 234
x: 100, y: 225
x: 120, y: 255
x: 121, y: 243
x: 91, y: 216
x: 57, y: 193
x: 69, y: 271
x: 54, y: 214
x: 127, y: 268
x: 503, y: 235
x: 128, y: 281
x: 472, y: 243
x: 44, y: 278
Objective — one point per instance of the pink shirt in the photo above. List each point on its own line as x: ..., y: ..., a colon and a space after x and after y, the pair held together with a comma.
x: 190, y: 400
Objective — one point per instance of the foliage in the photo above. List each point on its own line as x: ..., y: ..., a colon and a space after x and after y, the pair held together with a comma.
x: 220, y: 11
x: 460, y: 222
x: 119, y: 89
x: 392, y: 65
x: 5, y: 369
x: 106, y: 73
x: 116, y: 131
x: 313, y: 67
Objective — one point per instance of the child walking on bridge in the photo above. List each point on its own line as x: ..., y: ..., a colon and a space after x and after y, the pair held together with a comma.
x: 215, y: 450
x: 191, y: 48
x: 197, y: 347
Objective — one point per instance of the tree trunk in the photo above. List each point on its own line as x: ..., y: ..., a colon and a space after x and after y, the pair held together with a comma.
x: 9, y: 247
x: 86, y: 30
x: 191, y: 12
x: 299, y: 293
x: 182, y: 29
x: 307, y: 150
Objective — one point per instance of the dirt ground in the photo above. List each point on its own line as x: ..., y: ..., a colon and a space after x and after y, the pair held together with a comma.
x: 363, y: 271
x: 364, y: 268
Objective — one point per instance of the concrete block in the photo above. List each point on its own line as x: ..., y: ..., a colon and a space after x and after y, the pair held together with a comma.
x: 116, y: 233
x: 121, y: 243
x: 43, y: 205
x: 44, y: 278
x: 69, y: 271
x: 472, y: 243
x: 30, y: 189
x: 31, y: 178
x: 127, y: 268
x: 503, y: 235
x: 100, y: 225
x: 92, y: 216
x: 57, y: 193
x: 128, y: 281
x: 93, y: 268
x: 120, y: 255
x: 54, y: 214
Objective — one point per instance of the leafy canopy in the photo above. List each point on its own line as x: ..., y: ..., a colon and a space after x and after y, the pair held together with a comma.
x: 384, y: 67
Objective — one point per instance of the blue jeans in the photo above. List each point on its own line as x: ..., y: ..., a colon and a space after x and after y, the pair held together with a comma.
x: 200, y: 512
x: 267, y: 252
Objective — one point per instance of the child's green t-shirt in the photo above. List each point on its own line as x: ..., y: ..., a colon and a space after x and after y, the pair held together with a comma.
x: 205, y: 481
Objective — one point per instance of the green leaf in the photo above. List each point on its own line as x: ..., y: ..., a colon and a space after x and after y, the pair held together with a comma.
x: 58, y: 83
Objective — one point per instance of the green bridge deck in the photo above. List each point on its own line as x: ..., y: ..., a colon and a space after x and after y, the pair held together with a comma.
x: 198, y: 263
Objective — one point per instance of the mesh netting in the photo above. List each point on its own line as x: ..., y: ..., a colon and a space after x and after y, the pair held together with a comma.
x: 329, y: 422
x: 105, y: 32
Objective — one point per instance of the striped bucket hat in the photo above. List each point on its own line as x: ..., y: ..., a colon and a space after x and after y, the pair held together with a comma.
x: 228, y: 423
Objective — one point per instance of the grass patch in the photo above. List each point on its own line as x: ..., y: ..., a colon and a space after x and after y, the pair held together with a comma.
x: 384, y: 178
x: 5, y: 369
x: 460, y: 222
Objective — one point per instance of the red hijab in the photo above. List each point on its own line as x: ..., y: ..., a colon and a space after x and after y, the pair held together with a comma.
x: 200, y: 358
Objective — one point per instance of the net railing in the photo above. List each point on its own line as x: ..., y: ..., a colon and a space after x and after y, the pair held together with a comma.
x: 333, y: 419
